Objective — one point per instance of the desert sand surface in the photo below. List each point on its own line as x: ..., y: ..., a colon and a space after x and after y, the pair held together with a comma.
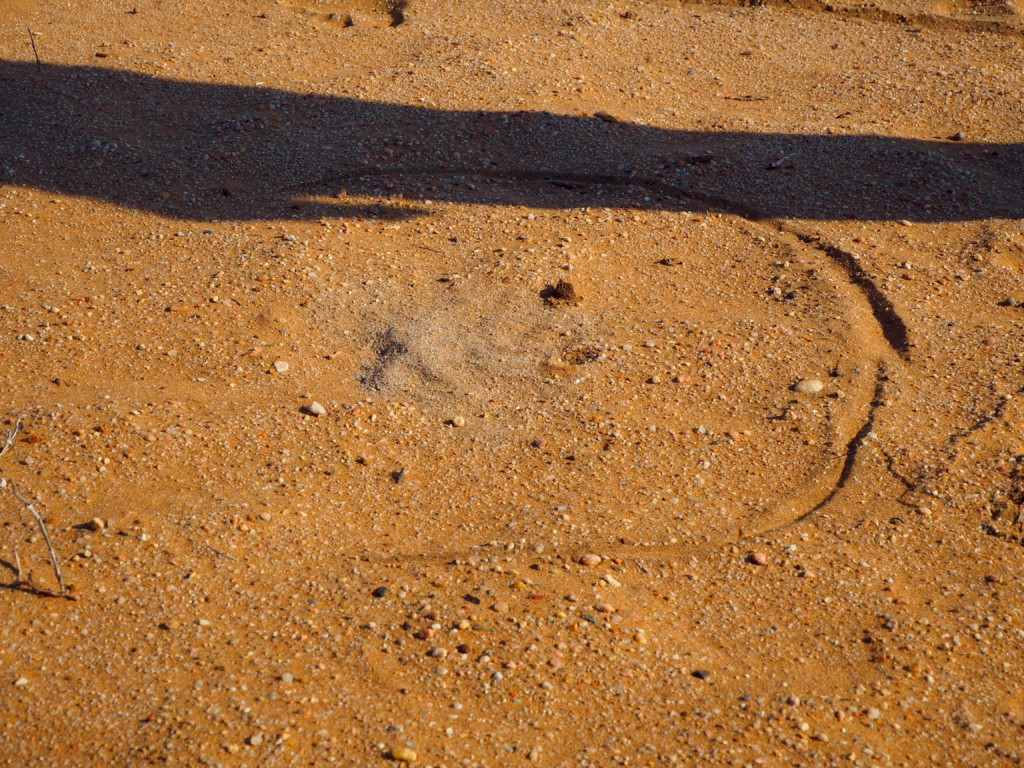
x: 512, y: 383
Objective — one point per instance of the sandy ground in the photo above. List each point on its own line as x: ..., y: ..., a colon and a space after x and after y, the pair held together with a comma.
x: 750, y: 493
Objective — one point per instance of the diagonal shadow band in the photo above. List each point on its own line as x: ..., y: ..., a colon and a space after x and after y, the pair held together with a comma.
x: 208, y: 152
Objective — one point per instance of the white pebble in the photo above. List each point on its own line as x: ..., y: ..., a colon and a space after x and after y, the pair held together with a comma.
x: 809, y: 386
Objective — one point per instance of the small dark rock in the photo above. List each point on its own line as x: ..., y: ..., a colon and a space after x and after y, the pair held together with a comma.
x: 564, y: 291
x: 380, y: 591
x: 958, y: 136
x: 701, y: 674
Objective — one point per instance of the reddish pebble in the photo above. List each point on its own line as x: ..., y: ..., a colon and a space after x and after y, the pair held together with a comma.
x: 590, y: 560
x: 424, y: 634
x: 604, y: 608
x: 758, y: 558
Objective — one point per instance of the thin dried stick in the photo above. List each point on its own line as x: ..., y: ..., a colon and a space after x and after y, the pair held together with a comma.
x: 219, y: 553
x: 17, y: 568
x: 32, y: 38
x: 46, y: 535
x: 9, y: 440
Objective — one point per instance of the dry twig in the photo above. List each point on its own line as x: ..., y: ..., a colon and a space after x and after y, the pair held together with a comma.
x: 219, y: 553
x: 46, y: 535
x: 32, y: 38
x: 9, y: 440
x: 19, y: 574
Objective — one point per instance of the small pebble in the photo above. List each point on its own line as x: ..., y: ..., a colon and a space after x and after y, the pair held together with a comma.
x: 500, y: 607
x: 287, y: 678
x: 758, y: 558
x: 403, y: 755
x: 380, y: 592
x: 255, y: 740
x: 809, y: 386
x: 590, y: 560
x: 21, y: 681
x: 96, y: 524
x: 873, y: 713
x: 604, y: 608
x: 315, y: 409
x: 280, y: 366
x: 458, y: 421
x: 701, y: 674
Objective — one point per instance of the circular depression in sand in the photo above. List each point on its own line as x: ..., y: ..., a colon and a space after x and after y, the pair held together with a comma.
x: 659, y: 409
